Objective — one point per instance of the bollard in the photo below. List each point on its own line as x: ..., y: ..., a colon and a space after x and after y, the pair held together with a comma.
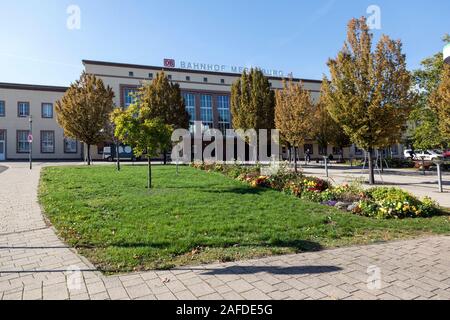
x: 439, y: 172
x: 326, y: 166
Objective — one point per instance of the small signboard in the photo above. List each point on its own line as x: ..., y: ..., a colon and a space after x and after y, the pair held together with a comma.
x: 30, y: 138
x: 169, y: 63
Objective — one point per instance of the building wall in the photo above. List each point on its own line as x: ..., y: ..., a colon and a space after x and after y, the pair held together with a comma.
x: 119, y: 77
x: 11, y: 122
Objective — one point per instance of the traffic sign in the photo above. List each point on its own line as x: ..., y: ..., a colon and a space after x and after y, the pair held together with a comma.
x: 30, y: 138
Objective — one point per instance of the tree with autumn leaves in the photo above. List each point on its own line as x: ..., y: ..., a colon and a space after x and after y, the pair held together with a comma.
x: 440, y: 102
x: 83, y: 112
x: 294, y: 115
x: 369, y: 94
x: 326, y: 130
x: 428, y: 126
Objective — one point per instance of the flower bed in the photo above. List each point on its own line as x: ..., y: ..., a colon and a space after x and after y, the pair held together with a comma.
x: 380, y: 203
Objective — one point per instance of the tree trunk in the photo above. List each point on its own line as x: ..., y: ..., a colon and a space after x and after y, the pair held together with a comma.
x: 88, y: 154
x: 371, y: 168
x: 149, y: 177
x: 118, y: 156
x: 165, y: 157
x: 295, y: 160
x: 289, y: 154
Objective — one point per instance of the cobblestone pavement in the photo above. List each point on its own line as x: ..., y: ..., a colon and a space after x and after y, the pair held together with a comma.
x: 35, y: 264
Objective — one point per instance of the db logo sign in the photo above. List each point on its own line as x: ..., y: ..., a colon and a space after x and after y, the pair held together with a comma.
x: 169, y: 63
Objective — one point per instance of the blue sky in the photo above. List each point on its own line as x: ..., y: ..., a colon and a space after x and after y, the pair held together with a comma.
x: 292, y: 35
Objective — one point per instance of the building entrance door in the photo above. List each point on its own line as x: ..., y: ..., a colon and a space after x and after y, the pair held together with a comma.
x: 2, y: 145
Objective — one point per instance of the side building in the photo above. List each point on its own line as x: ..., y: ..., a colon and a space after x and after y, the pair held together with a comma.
x: 20, y: 104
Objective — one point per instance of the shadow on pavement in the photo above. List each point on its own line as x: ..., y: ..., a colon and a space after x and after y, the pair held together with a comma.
x: 246, y: 270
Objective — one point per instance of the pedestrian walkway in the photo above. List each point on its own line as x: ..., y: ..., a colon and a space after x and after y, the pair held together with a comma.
x: 35, y: 264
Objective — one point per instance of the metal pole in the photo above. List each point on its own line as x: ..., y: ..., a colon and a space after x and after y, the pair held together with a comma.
x: 441, y: 189
x: 326, y: 166
x: 31, y: 143
x: 423, y: 165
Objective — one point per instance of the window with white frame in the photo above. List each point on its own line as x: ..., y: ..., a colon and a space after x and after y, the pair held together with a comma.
x: 23, y: 109
x: 47, y: 110
x: 206, y: 111
x: 70, y: 145
x: 47, y: 141
x: 223, y: 108
x: 23, y: 146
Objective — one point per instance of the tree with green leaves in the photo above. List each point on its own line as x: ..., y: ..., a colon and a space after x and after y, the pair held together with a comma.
x: 326, y: 130
x: 427, y: 135
x: 294, y: 113
x: 83, y: 112
x: 426, y: 119
x: 146, y: 134
x: 440, y: 102
x: 252, y: 102
x: 162, y: 99
x: 369, y: 93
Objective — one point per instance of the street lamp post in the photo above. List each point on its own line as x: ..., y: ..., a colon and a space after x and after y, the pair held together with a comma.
x: 30, y: 142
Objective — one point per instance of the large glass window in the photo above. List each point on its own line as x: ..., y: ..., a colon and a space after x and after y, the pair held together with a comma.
x: 189, y: 101
x: 129, y: 96
x: 47, y: 141
x: 70, y: 145
x: 2, y: 108
x: 47, y: 110
x: 206, y: 111
x: 23, y: 146
x: 223, y: 107
x: 23, y: 109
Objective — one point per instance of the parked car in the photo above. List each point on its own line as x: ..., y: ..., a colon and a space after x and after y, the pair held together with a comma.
x: 427, y: 155
x: 125, y: 153
x: 446, y: 154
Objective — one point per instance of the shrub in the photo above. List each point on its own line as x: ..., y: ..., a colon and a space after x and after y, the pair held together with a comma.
x: 386, y: 203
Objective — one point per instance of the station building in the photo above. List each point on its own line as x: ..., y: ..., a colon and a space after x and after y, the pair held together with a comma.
x: 206, y: 93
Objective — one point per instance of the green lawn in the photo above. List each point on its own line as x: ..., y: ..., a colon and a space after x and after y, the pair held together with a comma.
x: 196, y: 217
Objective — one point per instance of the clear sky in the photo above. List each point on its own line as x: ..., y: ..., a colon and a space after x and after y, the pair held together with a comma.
x: 292, y: 35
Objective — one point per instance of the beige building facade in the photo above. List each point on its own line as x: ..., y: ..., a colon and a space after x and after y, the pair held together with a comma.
x: 206, y: 93
x: 18, y: 105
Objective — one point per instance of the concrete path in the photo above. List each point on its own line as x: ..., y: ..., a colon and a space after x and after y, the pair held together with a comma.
x: 35, y: 264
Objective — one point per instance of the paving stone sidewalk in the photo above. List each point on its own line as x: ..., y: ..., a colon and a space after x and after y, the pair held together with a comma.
x: 35, y: 264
